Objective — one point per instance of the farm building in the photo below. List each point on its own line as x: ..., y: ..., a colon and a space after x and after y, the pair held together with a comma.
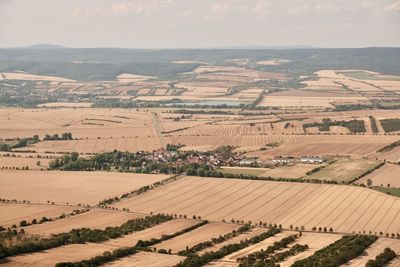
x: 313, y: 160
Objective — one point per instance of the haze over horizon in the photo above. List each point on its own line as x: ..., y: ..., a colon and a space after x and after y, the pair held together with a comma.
x: 170, y: 24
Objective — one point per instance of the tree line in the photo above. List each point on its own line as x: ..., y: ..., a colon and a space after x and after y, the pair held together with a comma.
x: 82, y: 235
x: 266, y: 257
x: 194, y: 260
x: 339, y: 252
x: 141, y: 245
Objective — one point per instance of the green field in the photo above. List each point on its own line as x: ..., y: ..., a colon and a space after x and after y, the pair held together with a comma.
x: 344, y: 170
x: 244, y: 171
x: 388, y: 190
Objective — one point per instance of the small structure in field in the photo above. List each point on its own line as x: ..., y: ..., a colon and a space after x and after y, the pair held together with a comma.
x: 282, y: 160
x: 312, y: 160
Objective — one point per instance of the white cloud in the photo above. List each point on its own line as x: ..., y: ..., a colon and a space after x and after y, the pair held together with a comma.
x: 394, y: 7
x: 122, y: 8
x: 139, y: 6
x: 89, y: 12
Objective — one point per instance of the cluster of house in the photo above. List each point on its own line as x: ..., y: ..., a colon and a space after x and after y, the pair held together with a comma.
x: 218, y: 159
x: 214, y: 159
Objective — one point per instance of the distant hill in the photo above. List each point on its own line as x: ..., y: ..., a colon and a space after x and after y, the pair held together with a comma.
x: 107, y: 63
x: 45, y: 46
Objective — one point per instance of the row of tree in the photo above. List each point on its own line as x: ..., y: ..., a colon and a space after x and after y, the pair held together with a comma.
x: 339, y: 252
x: 382, y: 259
x: 82, y: 235
x: 355, y: 126
x: 141, y: 245
x: 266, y: 257
x: 214, y: 241
x: 194, y: 260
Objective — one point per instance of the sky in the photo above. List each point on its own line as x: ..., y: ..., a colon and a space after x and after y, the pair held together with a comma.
x: 200, y: 23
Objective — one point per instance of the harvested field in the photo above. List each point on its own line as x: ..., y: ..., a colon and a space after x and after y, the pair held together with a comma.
x: 346, y: 169
x: 392, y: 155
x: 81, y: 122
x: 294, y: 145
x: 243, y: 170
x: 273, y: 62
x: 14, y: 213
x: 70, y: 187
x: 94, y: 219
x: 375, y: 249
x: 315, y: 241
x: 85, y: 251
x: 47, y: 258
x: 295, y: 171
x: 98, y: 145
x: 129, y: 78
x: 344, y: 208
x: 19, y: 162
x: 247, y: 235
x: 157, y: 231
x: 147, y: 259
x: 66, y: 104
x: 203, y: 233
x: 388, y: 174
x: 231, y: 258
x: 31, y: 77
x: 307, y: 102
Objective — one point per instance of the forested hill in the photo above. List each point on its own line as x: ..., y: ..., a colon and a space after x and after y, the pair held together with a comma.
x: 106, y: 63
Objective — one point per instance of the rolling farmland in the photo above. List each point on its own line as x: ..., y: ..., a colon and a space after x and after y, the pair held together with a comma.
x: 342, y: 208
x: 82, y: 187
x: 294, y: 141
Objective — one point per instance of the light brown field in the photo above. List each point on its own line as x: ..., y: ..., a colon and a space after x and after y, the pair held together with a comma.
x: 295, y: 102
x: 82, y: 122
x: 129, y: 78
x: 20, y: 162
x: 344, y: 208
x: 69, y: 253
x: 31, y: 77
x: 273, y: 62
x: 169, y: 227
x: 230, y: 260
x: 315, y: 241
x: 130, y: 144
x: 388, y: 174
x: 293, y: 145
x: 14, y: 213
x: 147, y: 259
x: 392, y: 155
x: 375, y: 249
x: 86, y: 251
x: 247, y: 235
x: 94, y: 219
x: 66, y: 105
x: 295, y: 171
x: 70, y: 187
x: 203, y: 233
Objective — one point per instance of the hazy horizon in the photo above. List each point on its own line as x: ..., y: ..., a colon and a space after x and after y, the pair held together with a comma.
x: 174, y: 24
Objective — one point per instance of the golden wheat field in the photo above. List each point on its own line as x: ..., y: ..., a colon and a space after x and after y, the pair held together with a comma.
x: 70, y: 187
x: 344, y: 208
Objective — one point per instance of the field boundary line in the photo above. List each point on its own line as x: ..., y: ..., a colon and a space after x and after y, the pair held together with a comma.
x: 298, y: 203
x: 384, y: 215
x: 340, y: 204
x: 358, y: 206
x: 192, y: 196
x: 333, y: 206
